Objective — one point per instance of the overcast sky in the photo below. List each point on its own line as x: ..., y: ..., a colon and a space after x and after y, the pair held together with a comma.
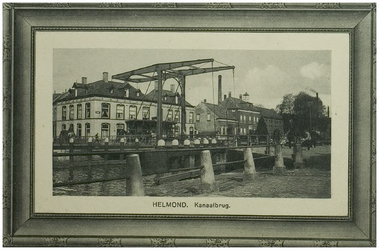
x: 266, y: 75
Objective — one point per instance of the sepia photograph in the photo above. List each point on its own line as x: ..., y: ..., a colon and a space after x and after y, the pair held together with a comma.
x: 189, y: 124
x: 255, y: 124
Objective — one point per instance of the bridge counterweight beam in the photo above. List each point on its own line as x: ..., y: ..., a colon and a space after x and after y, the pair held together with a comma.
x: 159, y: 105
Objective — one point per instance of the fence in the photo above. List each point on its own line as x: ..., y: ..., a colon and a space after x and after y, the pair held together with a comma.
x: 74, y: 156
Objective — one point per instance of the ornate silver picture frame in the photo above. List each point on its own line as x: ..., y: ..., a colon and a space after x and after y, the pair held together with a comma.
x: 29, y: 220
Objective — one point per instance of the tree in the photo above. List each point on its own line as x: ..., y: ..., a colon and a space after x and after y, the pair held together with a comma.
x: 261, y: 127
x: 309, y: 110
x: 286, y: 107
x: 301, y: 112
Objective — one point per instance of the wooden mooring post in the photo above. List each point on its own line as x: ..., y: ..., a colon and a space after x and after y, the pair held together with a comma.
x: 71, y: 157
x: 279, y: 167
x: 249, y: 166
x: 133, y: 171
x: 207, y: 177
x: 122, y: 144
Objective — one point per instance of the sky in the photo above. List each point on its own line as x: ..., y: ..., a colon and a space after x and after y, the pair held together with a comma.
x: 266, y: 75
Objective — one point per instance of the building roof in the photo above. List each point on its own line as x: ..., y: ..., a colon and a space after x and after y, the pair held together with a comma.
x: 113, y: 90
x: 269, y: 113
x: 102, y: 89
x: 220, y: 111
x: 170, y: 97
x: 232, y: 102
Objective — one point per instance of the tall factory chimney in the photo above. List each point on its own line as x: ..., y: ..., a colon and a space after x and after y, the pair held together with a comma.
x: 317, y: 96
x: 219, y: 89
x: 84, y: 80
x: 105, y: 76
x: 328, y: 112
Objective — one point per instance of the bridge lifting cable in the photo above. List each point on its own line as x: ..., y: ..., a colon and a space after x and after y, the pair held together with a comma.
x: 214, y: 105
x: 176, y: 91
x: 144, y: 97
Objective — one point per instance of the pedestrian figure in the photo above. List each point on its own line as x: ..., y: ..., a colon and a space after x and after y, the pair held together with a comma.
x: 97, y: 138
x: 306, y: 141
x: 314, y: 136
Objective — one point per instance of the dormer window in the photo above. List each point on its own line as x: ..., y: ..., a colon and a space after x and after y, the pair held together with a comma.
x: 111, y: 91
x: 137, y: 94
x: 126, y: 92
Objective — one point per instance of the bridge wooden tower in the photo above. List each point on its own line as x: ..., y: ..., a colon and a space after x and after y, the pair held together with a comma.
x: 175, y: 70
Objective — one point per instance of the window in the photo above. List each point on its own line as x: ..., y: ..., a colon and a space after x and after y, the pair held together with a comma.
x: 63, y: 126
x: 126, y: 92
x: 223, y: 131
x: 133, y: 112
x: 104, y: 130
x: 208, y: 117
x: 138, y: 93
x: 120, y: 111
x: 71, y: 128
x: 88, y: 110
x: 241, y: 118
x: 63, y: 112
x: 191, y: 117
x: 88, y: 129
x: 120, y: 128
x: 145, y: 113
x: 169, y: 115
x: 71, y: 114
x: 249, y: 118
x: 177, y: 114
x: 79, y: 111
x: 79, y: 130
x: 55, y: 114
x: 105, y: 110
x: 197, y: 117
x: 244, y: 118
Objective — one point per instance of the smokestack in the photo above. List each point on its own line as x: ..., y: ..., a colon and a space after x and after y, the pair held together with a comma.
x: 317, y: 96
x: 219, y: 89
x: 172, y: 88
x: 84, y: 80
x: 105, y: 76
x: 224, y: 97
x: 230, y: 93
x: 328, y: 112
x: 205, y: 100
x: 241, y: 96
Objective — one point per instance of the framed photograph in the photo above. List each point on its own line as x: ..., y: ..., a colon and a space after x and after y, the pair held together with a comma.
x: 183, y: 124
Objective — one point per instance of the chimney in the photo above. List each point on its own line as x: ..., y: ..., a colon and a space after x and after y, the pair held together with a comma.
x: 316, y: 96
x: 328, y: 111
x: 205, y: 100
x: 230, y: 93
x: 172, y: 88
x: 105, y: 76
x: 241, y: 96
x: 219, y: 89
x: 224, y: 97
x: 84, y: 80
